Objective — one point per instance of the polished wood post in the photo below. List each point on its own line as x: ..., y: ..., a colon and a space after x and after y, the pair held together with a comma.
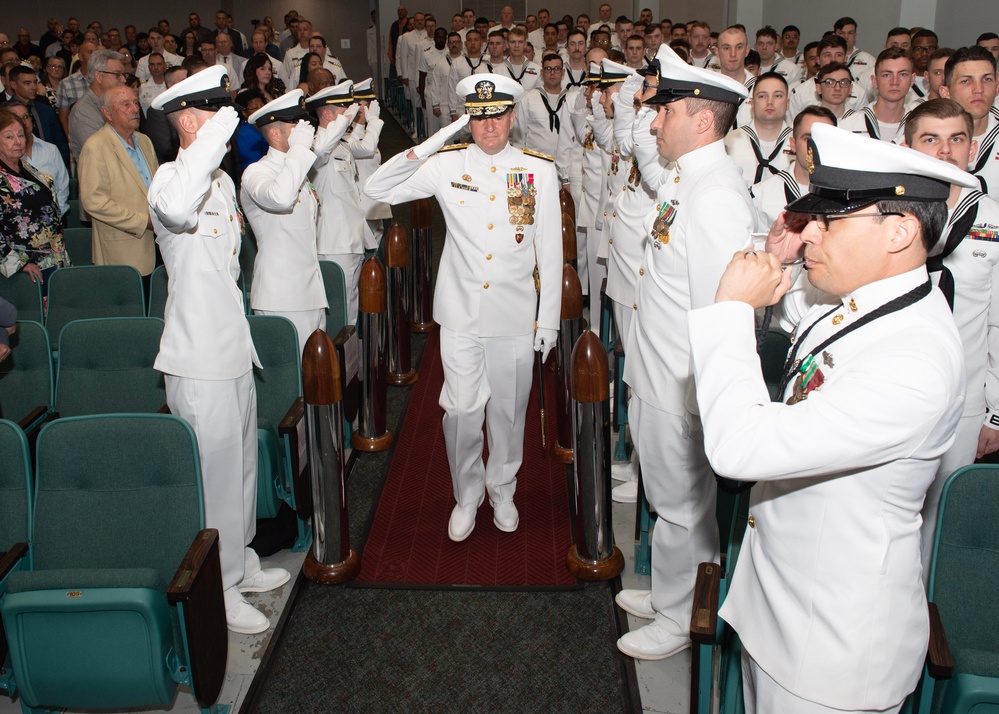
x: 568, y: 205
x: 569, y: 239
x: 330, y: 560
x: 400, y: 357
x: 570, y: 329
x: 594, y: 556
x: 422, y: 253
x: 372, y: 433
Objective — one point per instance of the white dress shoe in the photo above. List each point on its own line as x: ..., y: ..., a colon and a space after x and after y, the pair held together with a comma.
x: 246, y: 619
x: 264, y: 580
x: 654, y: 641
x: 636, y: 602
x: 505, y: 516
x: 462, y: 521
x: 626, y: 492
x: 625, y: 472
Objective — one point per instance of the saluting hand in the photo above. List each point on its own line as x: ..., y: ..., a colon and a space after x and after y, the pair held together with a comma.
x: 438, y: 140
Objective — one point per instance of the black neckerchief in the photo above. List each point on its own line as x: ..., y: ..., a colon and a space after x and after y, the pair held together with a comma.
x: 763, y: 163
x: 554, y: 123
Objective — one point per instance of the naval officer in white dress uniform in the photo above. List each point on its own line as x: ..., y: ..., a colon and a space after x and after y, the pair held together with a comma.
x: 827, y: 596
x: 206, y: 353
x: 503, y: 218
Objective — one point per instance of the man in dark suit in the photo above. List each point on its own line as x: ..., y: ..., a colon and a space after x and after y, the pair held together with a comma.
x: 23, y: 83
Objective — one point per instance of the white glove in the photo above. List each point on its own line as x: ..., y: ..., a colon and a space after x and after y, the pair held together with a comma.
x: 438, y: 140
x: 221, y: 126
x: 351, y: 112
x: 579, y: 106
x: 301, y: 135
x: 544, y: 341
x: 629, y: 88
x: 598, y: 108
x: 373, y: 111
x: 329, y: 136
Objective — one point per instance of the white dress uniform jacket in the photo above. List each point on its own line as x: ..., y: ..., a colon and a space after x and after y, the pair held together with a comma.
x: 986, y: 164
x: 463, y: 67
x: 485, y: 284
x: 786, y: 68
x: 771, y: 195
x: 142, y: 67
x: 827, y: 595
x: 197, y: 224
x: 341, y: 223
x: 282, y: 208
x: 527, y: 74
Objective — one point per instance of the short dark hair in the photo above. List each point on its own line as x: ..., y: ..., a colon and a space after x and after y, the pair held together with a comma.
x: 19, y: 71
x: 986, y: 36
x: 896, y: 31
x: 925, y: 33
x: 790, y: 28
x: 724, y: 113
x: 809, y: 47
x: 768, y: 75
x: 551, y: 57
x: 575, y: 31
x: 931, y: 216
x: 832, y: 41
x: 247, y: 96
x: 753, y: 59
x: 890, y: 53
x: 843, y: 22
x: 812, y: 110
x: 193, y: 64
x: 826, y: 70
x: 767, y: 32
x: 972, y: 53
x: 937, y: 109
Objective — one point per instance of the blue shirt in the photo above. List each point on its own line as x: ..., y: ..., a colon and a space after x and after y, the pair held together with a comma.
x: 138, y: 159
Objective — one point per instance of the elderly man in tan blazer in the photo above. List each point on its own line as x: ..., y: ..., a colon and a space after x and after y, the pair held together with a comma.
x: 116, y: 167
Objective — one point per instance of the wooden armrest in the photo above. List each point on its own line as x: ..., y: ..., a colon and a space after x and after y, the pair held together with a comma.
x: 938, y: 659
x: 292, y: 429
x: 197, y: 589
x: 32, y: 416
x: 704, y: 613
x: 9, y: 559
x: 165, y: 409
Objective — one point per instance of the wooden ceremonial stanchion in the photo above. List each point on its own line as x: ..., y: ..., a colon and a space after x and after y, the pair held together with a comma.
x: 422, y: 253
x: 569, y: 240
x: 400, y: 367
x: 330, y: 560
x: 570, y: 329
x: 372, y: 433
x: 568, y: 205
x: 594, y: 555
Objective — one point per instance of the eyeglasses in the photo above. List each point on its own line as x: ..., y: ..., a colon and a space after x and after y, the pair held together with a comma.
x: 119, y: 75
x: 923, y: 48
x: 842, y: 83
x: 551, y: 70
x: 823, y: 221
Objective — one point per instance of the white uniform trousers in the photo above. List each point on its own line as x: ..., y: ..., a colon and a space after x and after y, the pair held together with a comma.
x: 350, y: 264
x: 485, y: 379
x: 305, y: 321
x: 681, y: 489
x: 623, y: 316
x: 373, y: 238
x: 223, y: 415
x: 961, y: 453
x: 764, y: 695
x: 435, y: 123
x: 596, y: 271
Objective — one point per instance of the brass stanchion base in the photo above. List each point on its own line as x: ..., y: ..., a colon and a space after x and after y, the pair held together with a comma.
x: 403, y: 380
x: 423, y: 326
x: 331, y: 574
x: 586, y: 569
x: 562, y: 454
x: 378, y: 443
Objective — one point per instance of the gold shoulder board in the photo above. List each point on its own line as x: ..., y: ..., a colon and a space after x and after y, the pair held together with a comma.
x: 538, y: 154
x: 452, y: 147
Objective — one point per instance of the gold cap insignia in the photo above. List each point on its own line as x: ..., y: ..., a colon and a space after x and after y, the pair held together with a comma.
x: 225, y: 81
x: 810, y: 160
x: 484, y: 90
x: 900, y: 190
x: 697, y: 92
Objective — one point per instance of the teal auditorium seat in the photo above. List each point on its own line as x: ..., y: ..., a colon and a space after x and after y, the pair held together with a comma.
x: 124, y: 598
x: 282, y: 465
x: 106, y: 366
x: 93, y: 291
x: 79, y: 244
x: 25, y: 295
x: 964, y: 580
x: 27, y: 386
x: 336, y: 296
x: 158, y: 285
x: 15, y: 519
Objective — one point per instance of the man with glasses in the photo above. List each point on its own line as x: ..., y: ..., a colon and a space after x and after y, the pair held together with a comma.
x: 826, y: 596
x: 542, y: 121
x: 105, y: 70
x: 921, y: 46
x: 833, y: 84
x: 831, y: 48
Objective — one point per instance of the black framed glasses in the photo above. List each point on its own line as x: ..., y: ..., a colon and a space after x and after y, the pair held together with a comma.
x: 119, y: 75
x: 844, y: 83
x: 823, y: 221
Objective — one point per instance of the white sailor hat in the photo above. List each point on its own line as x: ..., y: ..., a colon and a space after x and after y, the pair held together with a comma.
x: 849, y: 171
x: 364, y: 90
x: 612, y: 73
x: 288, y: 107
x: 488, y: 95
x: 592, y: 74
x: 208, y: 89
x: 675, y: 80
x: 340, y: 95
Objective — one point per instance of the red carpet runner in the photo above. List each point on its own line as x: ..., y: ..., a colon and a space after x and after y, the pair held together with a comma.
x: 408, y: 543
